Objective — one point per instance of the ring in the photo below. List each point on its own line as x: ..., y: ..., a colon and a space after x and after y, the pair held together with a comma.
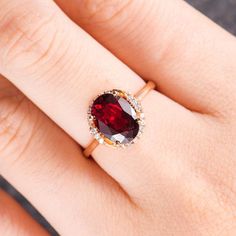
x: 116, y: 118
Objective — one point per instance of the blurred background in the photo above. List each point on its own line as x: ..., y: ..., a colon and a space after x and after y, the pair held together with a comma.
x: 221, y: 11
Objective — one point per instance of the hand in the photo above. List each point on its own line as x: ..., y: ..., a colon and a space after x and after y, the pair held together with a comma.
x: 179, y: 179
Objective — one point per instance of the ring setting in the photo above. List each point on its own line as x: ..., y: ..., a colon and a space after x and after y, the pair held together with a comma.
x: 116, y: 118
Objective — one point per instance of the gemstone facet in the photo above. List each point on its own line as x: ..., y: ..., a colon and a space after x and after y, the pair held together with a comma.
x: 115, y: 118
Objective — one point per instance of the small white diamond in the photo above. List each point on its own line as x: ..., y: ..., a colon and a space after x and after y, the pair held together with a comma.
x: 142, y: 116
x: 89, y: 111
x: 141, y: 127
x: 114, y: 92
x: 93, y: 130
x: 138, y: 107
x: 129, y: 98
x: 141, y: 122
x: 90, y: 118
x: 101, y: 140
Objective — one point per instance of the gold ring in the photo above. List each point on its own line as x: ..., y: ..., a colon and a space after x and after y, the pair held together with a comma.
x: 116, y: 118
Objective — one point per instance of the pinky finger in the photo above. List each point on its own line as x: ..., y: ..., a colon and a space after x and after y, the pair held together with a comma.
x: 15, y: 221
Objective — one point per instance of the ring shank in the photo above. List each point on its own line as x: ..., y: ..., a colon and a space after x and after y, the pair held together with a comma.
x: 87, y: 151
x: 150, y: 85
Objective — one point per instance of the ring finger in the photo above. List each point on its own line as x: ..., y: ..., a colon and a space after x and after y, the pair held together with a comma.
x: 61, y: 68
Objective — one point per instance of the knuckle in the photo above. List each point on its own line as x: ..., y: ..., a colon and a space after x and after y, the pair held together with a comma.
x: 16, y: 126
x: 26, y: 33
x: 102, y: 11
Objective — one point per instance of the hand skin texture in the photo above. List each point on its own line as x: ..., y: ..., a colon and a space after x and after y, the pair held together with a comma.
x: 179, y: 179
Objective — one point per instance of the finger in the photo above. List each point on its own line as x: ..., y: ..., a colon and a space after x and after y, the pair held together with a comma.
x: 15, y: 221
x: 190, y: 58
x: 61, y: 80
x: 47, y: 167
x: 56, y: 64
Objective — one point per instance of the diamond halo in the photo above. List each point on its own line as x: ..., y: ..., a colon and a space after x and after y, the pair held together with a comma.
x: 133, y: 102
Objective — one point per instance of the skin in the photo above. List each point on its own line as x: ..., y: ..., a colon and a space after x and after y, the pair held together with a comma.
x: 15, y: 221
x: 179, y: 179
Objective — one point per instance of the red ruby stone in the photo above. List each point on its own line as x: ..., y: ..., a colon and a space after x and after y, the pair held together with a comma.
x: 115, y: 118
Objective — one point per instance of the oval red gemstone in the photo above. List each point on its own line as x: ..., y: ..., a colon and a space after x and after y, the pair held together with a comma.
x: 115, y: 118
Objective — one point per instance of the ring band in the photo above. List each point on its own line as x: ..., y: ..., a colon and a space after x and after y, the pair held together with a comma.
x: 116, y: 118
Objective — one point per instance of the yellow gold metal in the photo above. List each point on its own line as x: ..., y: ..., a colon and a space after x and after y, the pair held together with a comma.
x: 150, y: 85
x: 87, y: 152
